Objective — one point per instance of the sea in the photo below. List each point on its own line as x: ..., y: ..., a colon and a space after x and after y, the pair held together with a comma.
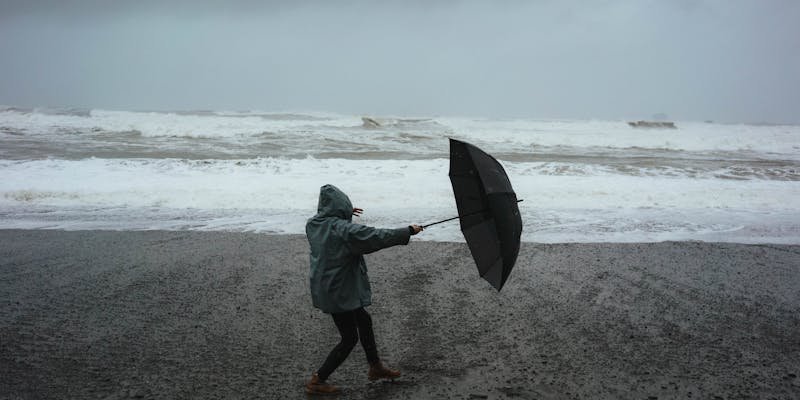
x: 581, y: 180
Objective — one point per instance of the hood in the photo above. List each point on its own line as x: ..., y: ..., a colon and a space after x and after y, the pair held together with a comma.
x: 334, y: 203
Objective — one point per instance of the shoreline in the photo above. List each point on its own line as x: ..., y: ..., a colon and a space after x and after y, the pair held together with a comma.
x: 187, y: 314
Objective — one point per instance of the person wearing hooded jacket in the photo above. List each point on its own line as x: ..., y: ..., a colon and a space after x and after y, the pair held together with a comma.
x: 339, y: 283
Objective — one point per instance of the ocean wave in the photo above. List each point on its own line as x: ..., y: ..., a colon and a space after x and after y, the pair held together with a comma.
x: 28, y: 196
x: 507, y: 138
x: 277, y: 183
x: 14, y: 109
x: 159, y: 124
x: 563, y: 202
x: 68, y: 111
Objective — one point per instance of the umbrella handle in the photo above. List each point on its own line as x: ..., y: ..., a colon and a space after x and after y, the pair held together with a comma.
x: 460, y: 216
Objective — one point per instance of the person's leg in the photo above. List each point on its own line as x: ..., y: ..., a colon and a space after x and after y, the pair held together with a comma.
x: 364, y: 321
x: 376, y: 369
x: 347, y: 325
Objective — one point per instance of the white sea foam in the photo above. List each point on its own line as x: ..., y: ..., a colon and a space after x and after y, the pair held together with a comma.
x: 277, y: 195
x: 293, y: 184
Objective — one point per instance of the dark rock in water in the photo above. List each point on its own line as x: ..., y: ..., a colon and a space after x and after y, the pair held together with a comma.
x: 370, y: 123
x: 652, y: 124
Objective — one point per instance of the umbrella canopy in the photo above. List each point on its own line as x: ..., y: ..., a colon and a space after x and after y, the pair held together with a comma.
x: 487, y: 209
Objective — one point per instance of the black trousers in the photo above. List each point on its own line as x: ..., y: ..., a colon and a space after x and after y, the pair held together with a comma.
x: 352, y: 325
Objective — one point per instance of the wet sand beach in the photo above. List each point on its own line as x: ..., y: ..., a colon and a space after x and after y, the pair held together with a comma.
x: 164, y: 315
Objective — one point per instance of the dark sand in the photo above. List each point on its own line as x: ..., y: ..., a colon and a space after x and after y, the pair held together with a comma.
x: 228, y: 315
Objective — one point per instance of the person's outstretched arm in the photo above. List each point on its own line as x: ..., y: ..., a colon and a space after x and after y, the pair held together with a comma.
x: 365, y: 239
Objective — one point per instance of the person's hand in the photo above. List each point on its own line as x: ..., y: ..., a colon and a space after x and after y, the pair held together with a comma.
x: 357, y: 211
x: 415, y: 229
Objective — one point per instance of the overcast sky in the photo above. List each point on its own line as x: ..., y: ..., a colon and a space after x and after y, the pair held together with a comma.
x: 723, y: 60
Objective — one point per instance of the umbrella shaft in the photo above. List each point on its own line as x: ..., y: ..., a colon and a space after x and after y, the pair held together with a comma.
x: 439, y: 222
x: 460, y: 216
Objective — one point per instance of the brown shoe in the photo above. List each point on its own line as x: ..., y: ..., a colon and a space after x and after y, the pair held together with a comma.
x: 317, y: 386
x: 378, y: 371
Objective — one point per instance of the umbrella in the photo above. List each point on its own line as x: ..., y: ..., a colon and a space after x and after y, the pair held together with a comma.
x: 487, y: 211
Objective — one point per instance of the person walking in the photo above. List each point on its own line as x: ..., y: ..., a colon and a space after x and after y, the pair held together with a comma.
x: 339, y: 283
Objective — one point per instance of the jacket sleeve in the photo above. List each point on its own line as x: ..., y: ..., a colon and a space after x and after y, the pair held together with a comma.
x: 363, y: 239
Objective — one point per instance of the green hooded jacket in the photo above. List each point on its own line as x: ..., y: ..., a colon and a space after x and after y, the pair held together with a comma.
x: 339, y: 279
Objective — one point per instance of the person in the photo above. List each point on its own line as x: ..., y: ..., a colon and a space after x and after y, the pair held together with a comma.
x: 339, y: 283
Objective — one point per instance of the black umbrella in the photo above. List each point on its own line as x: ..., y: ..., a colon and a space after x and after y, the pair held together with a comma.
x: 488, y: 212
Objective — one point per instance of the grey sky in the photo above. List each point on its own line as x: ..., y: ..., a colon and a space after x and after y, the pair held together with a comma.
x: 724, y: 60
